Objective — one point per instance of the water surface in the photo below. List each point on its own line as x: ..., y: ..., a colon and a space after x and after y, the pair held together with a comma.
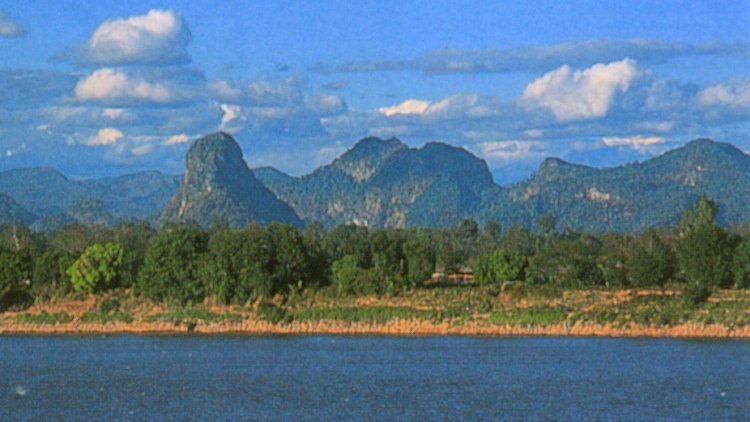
x: 383, y: 378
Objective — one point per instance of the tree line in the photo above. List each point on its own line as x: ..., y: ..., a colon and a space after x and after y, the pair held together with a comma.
x: 184, y: 264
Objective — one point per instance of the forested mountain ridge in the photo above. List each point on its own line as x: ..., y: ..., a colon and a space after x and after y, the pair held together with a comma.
x: 218, y: 185
x: 385, y: 183
x: 629, y: 198
x: 11, y: 212
x: 52, y: 197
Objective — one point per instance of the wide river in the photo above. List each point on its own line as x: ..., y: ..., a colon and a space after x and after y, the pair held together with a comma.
x: 371, y: 378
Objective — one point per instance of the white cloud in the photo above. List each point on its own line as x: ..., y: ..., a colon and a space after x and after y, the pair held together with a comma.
x: 113, y: 85
x: 259, y: 93
x: 159, y: 37
x: 637, y: 143
x: 324, y: 104
x: 229, y: 113
x: 733, y: 94
x: 176, y: 140
x: 418, y: 107
x: 106, y: 136
x: 113, y: 113
x: 457, y: 105
x: 142, y: 150
x: 580, y: 95
x: 511, y: 151
x: 8, y: 28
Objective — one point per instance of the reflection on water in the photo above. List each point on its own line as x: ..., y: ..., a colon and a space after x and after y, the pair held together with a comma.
x: 384, y: 378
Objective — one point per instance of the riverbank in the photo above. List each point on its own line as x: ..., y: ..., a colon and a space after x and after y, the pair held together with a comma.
x: 397, y: 328
x: 437, y: 312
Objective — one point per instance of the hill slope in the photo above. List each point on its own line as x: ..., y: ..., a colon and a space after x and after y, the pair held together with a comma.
x: 629, y: 198
x: 384, y: 183
x: 218, y: 184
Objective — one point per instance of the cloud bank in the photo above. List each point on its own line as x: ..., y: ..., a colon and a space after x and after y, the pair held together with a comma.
x: 159, y: 37
x: 538, y: 58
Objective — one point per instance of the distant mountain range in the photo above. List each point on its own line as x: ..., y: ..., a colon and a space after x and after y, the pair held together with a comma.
x: 384, y: 183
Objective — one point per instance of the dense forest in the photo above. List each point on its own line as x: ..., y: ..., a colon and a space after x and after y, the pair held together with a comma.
x: 184, y: 264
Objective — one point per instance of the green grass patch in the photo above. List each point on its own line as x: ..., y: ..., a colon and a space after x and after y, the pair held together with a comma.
x: 535, y: 315
x: 375, y: 314
x: 99, y: 317
x: 190, y: 315
x: 44, y: 318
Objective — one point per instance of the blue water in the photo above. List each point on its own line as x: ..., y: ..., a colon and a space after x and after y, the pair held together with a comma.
x: 366, y: 378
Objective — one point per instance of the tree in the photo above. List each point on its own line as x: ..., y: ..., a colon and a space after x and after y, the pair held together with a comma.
x: 171, y: 266
x: 704, y: 251
x: 420, y: 258
x: 291, y: 260
x: 237, y: 267
x: 97, y: 269
x: 546, y: 224
x: 650, y: 262
x: 15, y: 278
x: 350, y: 279
x: 500, y: 266
x: 50, y: 273
x: 741, y: 265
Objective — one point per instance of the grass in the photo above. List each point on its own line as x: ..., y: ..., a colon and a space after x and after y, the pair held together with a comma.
x: 536, y: 315
x: 44, y: 318
x: 376, y: 314
x: 191, y: 315
x: 99, y: 317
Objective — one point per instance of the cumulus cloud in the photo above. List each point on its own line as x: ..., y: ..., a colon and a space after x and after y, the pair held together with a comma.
x: 229, y: 113
x: 8, y: 28
x: 418, y: 107
x: 159, y: 37
x: 454, y: 106
x: 539, y: 58
x: 579, y: 95
x: 106, y: 136
x: 637, y: 143
x: 115, y: 86
x: 732, y: 94
x: 176, y: 140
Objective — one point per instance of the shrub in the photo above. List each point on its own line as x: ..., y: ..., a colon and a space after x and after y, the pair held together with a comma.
x: 501, y: 266
x: 97, y: 269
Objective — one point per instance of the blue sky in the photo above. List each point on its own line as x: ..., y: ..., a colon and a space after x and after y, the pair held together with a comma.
x: 105, y: 88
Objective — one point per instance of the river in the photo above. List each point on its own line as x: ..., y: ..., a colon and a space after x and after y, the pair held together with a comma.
x: 371, y: 378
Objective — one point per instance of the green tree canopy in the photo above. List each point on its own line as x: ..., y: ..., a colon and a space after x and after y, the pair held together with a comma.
x: 501, y: 266
x: 171, y: 266
x: 97, y: 269
x: 704, y: 251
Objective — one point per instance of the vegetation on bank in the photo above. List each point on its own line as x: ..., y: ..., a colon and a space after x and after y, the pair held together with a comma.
x: 181, y: 275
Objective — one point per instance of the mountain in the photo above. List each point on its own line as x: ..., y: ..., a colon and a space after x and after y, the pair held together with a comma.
x: 139, y: 196
x: 384, y: 183
x: 629, y: 198
x: 218, y: 184
x: 11, y: 212
x: 43, y: 191
x: 48, y: 193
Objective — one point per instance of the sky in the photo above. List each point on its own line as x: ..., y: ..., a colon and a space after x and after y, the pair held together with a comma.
x: 100, y: 89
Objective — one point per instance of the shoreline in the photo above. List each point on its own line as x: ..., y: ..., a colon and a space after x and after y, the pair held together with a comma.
x: 400, y: 328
